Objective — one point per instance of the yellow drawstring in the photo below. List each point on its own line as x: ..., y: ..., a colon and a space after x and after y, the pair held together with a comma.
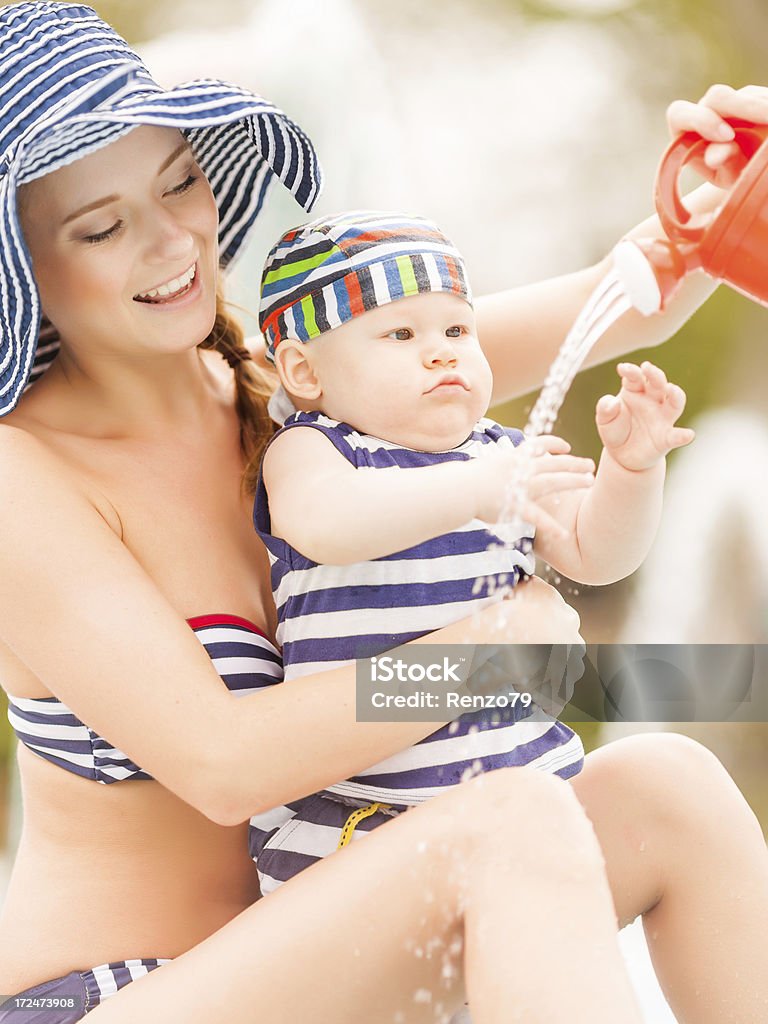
x: 354, y: 818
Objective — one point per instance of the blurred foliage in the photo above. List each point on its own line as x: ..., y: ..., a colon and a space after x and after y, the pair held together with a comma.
x: 589, y: 733
x: 5, y: 729
x: 140, y: 20
x: 731, y: 37
x: 6, y: 746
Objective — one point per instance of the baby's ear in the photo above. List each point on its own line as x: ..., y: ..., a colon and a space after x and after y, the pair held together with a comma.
x: 297, y: 375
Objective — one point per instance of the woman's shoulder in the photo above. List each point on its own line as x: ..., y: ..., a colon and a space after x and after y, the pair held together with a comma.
x: 32, y: 470
x: 20, y: 448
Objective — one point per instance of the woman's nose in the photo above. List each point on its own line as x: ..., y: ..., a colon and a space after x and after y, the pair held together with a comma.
x: 171, y: 240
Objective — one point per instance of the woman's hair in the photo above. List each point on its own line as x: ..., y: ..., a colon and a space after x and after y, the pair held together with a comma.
x: 253, y: 388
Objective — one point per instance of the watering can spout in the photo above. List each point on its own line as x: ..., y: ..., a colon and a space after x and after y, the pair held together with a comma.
x: 651, y: 270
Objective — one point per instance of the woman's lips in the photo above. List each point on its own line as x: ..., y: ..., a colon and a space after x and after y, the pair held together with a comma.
x: 170, y: 291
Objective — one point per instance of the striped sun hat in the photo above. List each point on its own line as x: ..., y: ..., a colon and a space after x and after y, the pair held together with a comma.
x: 322, y: 274
x: 69, y: 84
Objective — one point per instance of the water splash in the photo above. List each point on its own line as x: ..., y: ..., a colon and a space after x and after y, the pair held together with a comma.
x: 607, y: 303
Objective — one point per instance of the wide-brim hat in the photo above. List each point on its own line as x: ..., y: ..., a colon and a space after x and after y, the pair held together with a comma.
x: 69, y: 85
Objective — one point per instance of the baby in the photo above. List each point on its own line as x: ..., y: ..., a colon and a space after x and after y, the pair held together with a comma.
x: 383, y: 532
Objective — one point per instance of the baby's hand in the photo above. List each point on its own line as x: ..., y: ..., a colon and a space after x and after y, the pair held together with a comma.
x: 510, y: 482
x: 637, y: 425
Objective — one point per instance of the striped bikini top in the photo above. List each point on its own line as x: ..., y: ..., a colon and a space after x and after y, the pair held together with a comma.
x: 241, y: 653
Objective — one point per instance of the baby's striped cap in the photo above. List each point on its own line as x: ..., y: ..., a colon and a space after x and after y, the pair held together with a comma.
x: 322, y: 274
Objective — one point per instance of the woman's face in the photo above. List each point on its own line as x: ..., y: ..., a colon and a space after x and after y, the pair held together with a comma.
x: 124, y: 247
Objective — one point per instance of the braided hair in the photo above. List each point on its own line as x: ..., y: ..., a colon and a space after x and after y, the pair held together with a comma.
x: 253, y: 388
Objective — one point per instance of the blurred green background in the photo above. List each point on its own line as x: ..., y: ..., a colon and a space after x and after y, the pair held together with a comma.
x: 530, y: 130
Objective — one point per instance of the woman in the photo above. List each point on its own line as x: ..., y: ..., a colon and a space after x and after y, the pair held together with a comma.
x: 124, y: 515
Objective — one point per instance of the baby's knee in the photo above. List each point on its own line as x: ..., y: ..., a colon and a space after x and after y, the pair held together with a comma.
x: 667, y: 761
x: 530, y: 819
x: 671, y: 777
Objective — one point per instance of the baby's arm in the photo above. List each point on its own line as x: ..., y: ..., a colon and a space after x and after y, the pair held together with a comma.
x: 610, y: 528
x: 336, y: 514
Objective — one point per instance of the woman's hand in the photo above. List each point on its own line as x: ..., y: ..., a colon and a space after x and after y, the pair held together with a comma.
x: 722, y: 161
x: 532, y: 642
x: 533, y: 613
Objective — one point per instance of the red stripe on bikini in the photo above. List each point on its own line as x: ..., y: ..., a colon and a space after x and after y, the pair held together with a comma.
x: 201, y: 621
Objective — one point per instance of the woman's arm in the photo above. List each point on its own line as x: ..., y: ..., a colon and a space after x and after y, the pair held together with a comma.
x: 84, y: 617
x: 522, y: 329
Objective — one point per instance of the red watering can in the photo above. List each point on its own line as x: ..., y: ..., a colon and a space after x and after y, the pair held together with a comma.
x: 729, y: 243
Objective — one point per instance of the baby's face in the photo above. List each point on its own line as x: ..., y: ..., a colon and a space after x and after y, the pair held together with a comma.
x: 411, y: 372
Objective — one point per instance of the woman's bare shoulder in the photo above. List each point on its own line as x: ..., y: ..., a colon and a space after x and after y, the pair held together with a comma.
x: 21, y: 450
x: 30, y: 467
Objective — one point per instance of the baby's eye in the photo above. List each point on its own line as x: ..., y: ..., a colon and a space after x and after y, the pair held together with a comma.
x: 456, y: 331
x: 102, y: 236
x: 183, y: 186
x: 401, y: 334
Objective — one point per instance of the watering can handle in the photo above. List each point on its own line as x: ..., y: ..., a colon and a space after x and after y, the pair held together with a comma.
x: 678, y: 222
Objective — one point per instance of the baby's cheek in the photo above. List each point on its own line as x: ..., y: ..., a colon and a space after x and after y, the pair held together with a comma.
x: 485, y: 381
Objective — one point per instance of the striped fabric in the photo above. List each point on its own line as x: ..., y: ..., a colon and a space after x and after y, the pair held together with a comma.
x: 292, y: 837
x: 107, y: 979
x: 241, y: 654
x: 329, y: 615
x: 68, y: 999
x: 322, y: 274
x: 70, y: 85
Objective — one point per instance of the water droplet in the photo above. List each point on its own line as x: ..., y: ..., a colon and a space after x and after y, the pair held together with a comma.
x: 422, y: 995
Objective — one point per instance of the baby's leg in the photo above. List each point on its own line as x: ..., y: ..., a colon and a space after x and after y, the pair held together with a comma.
x: 683, y: 848
x: 497, y: 888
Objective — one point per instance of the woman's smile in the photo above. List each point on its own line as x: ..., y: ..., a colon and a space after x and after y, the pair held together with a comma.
x: 180, y: 291
x: 170, y: 290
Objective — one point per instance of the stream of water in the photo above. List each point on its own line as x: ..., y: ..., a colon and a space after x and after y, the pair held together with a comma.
x: 605, y: 305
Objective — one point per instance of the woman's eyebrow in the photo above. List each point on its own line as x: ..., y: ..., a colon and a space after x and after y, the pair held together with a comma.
x: 113, y: 198
x: 174, y: 156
